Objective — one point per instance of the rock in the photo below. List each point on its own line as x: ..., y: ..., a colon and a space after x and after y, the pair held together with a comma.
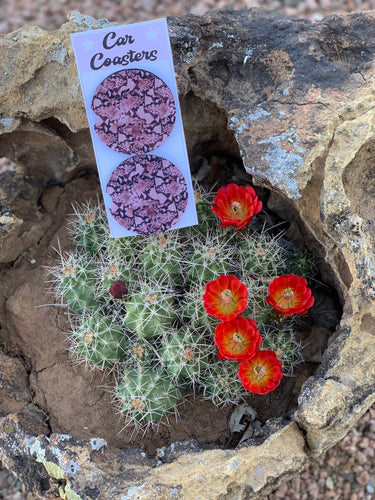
x: 14, y: 393
x: 42, y: 152
x: 20, y: 221
x: 295, y: 100
x: 30, y: 321
x: 70, y: 462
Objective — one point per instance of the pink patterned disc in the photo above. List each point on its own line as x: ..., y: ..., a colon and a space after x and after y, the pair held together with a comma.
x: 149, y: 194
x: 136, y: 111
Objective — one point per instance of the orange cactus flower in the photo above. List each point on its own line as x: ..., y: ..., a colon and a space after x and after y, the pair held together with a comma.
x: 289, y: 295
x: 262, y: 373
x: 237, y: 339
x: 225, y: 298
x: 235, y: 205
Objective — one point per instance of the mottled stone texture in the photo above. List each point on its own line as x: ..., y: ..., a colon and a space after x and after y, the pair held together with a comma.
x: 296, y: 99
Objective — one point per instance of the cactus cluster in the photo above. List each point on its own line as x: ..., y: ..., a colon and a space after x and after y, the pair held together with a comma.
x: 138, y: 310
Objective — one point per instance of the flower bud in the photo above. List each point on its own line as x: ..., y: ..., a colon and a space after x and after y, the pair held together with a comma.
x: 118, y: 289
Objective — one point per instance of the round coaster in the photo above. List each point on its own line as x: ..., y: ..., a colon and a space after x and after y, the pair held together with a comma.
x: 136, y: 111
x: 149, y: 194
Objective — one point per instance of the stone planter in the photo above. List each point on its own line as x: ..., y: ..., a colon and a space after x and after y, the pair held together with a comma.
x: 295, y: 101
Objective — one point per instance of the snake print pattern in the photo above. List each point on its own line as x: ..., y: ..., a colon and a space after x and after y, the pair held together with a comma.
x: 135, y: 111
x: 149, y: 194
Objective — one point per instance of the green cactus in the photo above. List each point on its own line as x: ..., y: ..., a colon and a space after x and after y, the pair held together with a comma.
x: 207, y: 220
x: 140, y: 352
x: 126, y: 250
x: 185, y: 353
x: 100, y: 340
x: 110, y: 270
x: 220, y: 383
x: 139, y: 309
x: 299, y: 262
x: 77, y: 283
x: 148, y: 395
x: 89, y: 227
x: 193, y: 312
x: 162, y: 258
x: 260, y: 255
x: 151, y: 310
x: 257, y: 306
x: 281, y: 339
x: 210, y: 258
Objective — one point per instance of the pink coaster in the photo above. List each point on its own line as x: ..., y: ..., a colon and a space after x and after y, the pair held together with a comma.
x: 149, y: 194
x: 136, y: 111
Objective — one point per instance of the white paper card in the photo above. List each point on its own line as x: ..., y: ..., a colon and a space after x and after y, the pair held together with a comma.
x: 130, y: 94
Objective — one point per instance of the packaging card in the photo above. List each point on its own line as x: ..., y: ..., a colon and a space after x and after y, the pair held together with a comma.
x: 130, y: 94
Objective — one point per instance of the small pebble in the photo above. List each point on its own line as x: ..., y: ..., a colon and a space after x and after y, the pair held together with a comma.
x: 331, y: 494
x: 364, y: 443
x: 296, y: 483
x: 321, y: 483
x: 361, y: 458
x: 346, y: 489
x: 363, y: 477
x: 329, y: 483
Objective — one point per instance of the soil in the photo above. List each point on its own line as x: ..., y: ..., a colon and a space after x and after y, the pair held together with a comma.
x: 76, y: 400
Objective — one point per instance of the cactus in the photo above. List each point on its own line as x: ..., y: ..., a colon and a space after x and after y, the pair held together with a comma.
x: 151, y: 310
x: 162, y: 258
x: 209, y: 259
x: 146, y: 395
x: 193, y: 312
x: 300, y: 262
x: 100, y: 340
x: 89, y: 227
x: 260, y: 256
x: 207, y: 219
x: 281, y: 339
x: 221, y: 384
x: 257, y: 307
x: 186, y: 353
x: 139, y: 310
x: 110, y: 270
x: 140, y: 352
x: 76, y: 283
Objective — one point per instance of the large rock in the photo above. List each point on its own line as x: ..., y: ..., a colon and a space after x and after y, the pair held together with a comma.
x: 295, y: 100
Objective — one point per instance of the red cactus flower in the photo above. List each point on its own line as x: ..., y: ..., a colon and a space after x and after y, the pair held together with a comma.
x: 289, y: 295
x: 225, y: 298
x: 237, y: 339
x: 262, y: 373
x: 118, y: 289
x: 236, y: 205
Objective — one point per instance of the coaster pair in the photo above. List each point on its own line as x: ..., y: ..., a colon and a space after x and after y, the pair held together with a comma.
x: 136, y: 113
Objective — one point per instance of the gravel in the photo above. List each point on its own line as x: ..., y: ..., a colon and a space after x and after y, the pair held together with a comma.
x: 49, y: 14
x: 346, y: 471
